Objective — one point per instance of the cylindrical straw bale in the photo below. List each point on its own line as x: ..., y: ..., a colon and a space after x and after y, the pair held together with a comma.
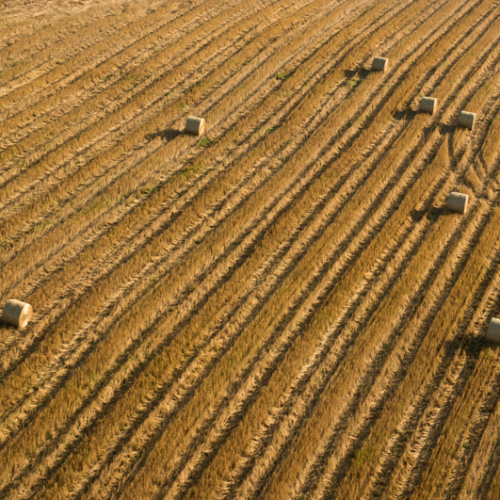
x: 17, y: 313
x: 428, y: 105
x: 457, y: 202
x: 466, y: 119
x: 380, y: 64
x: 195, y: 125
x: 493, y: 334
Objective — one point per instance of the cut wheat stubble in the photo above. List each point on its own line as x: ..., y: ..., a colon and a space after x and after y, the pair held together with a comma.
x: 466, y: 142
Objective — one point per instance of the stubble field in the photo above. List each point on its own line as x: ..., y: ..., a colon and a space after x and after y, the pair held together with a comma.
x: 281, y: 309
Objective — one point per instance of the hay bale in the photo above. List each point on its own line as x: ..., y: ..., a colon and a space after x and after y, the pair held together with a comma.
x: 428, y: 105
x: 457, y: 202
x: 466, y: 119
x: 17, y: 313
x: 195, y: 125
x: 380, y: 64
x: 493, y: 334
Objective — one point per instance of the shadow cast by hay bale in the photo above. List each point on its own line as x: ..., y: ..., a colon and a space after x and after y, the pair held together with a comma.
x: 165, y: 135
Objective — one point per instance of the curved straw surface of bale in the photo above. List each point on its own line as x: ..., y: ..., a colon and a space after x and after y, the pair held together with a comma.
x: 195, y: 125
x: 493, y: 334
x: 428, y: 105
x: 457, y: 202
x: 466, y: 119
x: 380, y: 64
x: 17, y: 313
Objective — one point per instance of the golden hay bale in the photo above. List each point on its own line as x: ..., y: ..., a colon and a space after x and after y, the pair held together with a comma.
x: 466, y: 119
x: 493, y: 334
x: 17, y: 313
x: 428, y: 105
x: 195, y: 125
x: 379, y: 64
x: 457, y: 202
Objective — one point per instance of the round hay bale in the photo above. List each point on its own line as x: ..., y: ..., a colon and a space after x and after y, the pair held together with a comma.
x: 493, y: 334
x: 17, y: 313
x: 380, y: 64
x: 457, y: 202
x: 428, y: 105
x: 466, y: 119
x: 195, y: 125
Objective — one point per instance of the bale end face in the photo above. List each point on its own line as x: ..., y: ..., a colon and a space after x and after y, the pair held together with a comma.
x: 457, y: 202
x: 493, y: 334
x: 380, y: 64
x: 428, y: 105
x: 17, y: 313
x: 466, y: 119
x: 195, y: 125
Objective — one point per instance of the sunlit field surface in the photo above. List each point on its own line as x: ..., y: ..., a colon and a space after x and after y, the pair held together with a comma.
x: 283, y: 308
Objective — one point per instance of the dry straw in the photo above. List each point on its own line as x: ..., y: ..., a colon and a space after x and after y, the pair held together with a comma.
x: 457, y: 202
x: 17, y: 313
x: 466, y: 119
x: 428, y: 105
x: 380, y: 64
x: 493, y: 334
x: 195, y: 125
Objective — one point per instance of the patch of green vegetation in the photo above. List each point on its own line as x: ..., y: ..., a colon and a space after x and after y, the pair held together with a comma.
x: 270, y: 130
x: 191, y: 171
x: 353, y: 82
x: 133, y: 78
x: 97, y: 206
x: 362, y: 458
x: 148, y: 190
x: 193, y: 86
x: 283, y: 76
x: 43, y: 225
x: 205, y: 143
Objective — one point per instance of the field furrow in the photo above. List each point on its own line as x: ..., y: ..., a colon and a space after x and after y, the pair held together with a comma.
x: 150, y: 187
x: 371, y: 447
x: 156, y: 214
x: 282, y: 307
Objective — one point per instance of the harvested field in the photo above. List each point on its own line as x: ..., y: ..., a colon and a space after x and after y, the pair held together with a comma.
x: 283, y: 307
